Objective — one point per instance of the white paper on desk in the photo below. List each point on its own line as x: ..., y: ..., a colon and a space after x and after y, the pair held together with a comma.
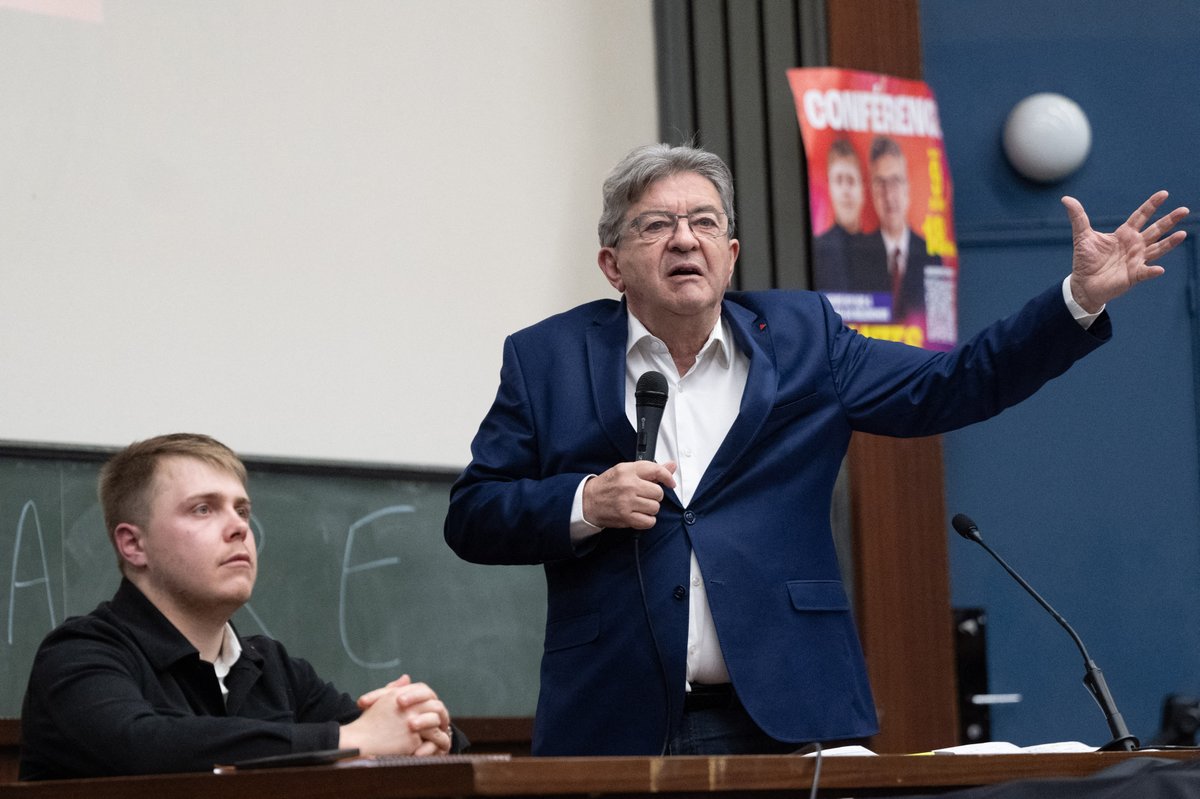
x: 844, y: 751
x: 1006, y: 748
x: 1061, y: 746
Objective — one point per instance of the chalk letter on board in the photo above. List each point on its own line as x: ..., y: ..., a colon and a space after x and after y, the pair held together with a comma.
x: 347, y: 570
x: 14, y: 584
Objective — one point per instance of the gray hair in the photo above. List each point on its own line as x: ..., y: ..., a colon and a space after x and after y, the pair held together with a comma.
x: 643, y: 166
x: 884, y: 145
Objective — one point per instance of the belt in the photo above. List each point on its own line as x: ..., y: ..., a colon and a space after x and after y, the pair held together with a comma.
x: 710, y: 697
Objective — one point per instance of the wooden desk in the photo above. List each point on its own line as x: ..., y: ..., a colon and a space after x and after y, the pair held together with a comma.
x: 760, y: 776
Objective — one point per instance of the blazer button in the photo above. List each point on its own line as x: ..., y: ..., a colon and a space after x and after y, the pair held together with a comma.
x: 689, y: 517
x: 680, y: 592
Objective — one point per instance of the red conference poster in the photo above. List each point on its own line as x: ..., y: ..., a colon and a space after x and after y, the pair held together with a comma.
x: 880, y: 195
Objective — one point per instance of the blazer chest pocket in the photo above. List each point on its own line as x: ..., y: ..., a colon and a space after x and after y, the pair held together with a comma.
x: 787, y: 413
x: 818, y: 595
x: 575, y: 631
x: 796, y: 406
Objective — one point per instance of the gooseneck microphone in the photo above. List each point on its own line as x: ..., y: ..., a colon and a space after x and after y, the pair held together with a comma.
x: 650, y: 397
x: 1122, y: 740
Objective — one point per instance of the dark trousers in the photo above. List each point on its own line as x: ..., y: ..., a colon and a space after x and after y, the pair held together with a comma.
x: 715, y: 723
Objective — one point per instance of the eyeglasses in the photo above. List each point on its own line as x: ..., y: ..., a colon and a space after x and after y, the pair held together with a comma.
x: 655, y: 225
x: 889, y: 182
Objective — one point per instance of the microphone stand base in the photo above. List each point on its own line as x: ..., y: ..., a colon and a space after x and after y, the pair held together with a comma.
x: 1127, y: 743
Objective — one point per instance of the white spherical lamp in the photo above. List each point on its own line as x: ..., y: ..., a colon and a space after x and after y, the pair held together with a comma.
x: 1047, y: 137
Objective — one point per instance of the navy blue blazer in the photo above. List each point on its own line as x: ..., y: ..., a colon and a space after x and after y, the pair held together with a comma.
x: 612, y: 675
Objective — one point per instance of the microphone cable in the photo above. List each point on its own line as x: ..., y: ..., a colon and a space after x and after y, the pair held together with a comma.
x: 650, y: 397
x: 662, y: 667
x: 816, y: 781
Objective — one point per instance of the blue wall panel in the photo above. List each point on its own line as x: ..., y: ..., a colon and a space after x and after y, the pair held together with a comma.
x: 1092, y: 488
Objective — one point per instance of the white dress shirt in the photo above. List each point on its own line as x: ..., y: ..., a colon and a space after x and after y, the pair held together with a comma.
x: 890, y: 246
x: 231, y: 650
x: 701, y: 407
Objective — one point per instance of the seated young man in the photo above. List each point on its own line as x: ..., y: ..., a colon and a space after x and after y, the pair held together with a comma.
x: 157, y: 680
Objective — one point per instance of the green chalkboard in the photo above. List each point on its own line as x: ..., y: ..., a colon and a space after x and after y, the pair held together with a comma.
x: 353, y: 575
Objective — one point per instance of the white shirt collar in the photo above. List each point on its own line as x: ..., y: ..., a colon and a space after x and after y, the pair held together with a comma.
x: 719, y: 339
x: 890, y: 244
x: 231, y: 650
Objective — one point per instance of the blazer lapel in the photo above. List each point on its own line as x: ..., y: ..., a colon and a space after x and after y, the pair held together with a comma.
x: 753, y: 336
x: 606, y: 341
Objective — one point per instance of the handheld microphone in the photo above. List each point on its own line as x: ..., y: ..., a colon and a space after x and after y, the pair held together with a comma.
x: 1122, y: 740
x: 650, y: 397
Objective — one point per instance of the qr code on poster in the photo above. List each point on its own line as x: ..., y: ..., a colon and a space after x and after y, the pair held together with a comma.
x: 941, y: 316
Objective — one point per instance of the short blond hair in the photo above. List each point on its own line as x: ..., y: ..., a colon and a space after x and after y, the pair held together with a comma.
x: 127, y: 480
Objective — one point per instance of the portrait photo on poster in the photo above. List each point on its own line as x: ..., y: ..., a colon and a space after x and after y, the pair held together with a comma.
x: 883, y: 248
